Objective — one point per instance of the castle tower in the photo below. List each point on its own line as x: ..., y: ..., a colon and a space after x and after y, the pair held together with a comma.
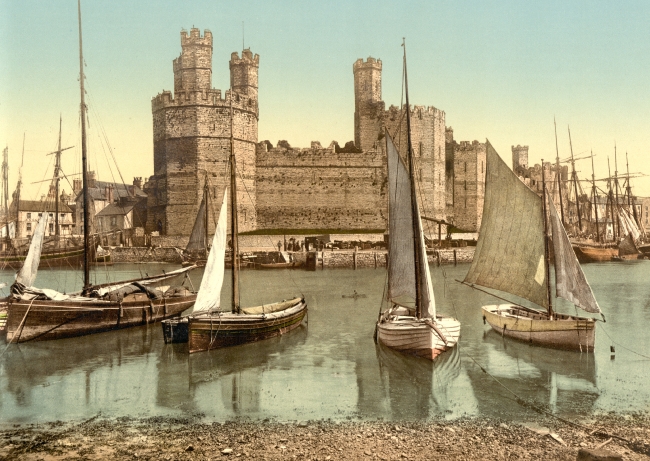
x: 519, y: 159
x: 368, y: 106
x: 192, y: 132
x: 193, y: 68
x: 243, y: 73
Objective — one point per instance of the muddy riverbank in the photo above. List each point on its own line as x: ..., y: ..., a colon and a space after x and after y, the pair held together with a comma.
x: 191, y: 439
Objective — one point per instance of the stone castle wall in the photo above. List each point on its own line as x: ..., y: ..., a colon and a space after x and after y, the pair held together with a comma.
x: 469, y: 184
x: 318, y: 188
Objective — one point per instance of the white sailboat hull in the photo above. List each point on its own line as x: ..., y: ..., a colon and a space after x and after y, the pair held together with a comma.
x: 421, y: 337
x: 563, y: 332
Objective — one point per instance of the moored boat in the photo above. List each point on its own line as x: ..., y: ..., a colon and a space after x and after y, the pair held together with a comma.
x: 410, y: 325
x: 513, y: 256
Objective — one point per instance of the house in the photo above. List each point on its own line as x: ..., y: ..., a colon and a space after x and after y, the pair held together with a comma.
x: 115, y: 209
x: 29, y: 212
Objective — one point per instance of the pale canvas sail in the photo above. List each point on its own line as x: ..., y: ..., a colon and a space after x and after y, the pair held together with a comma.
x: 428, y: 300
x: 401, y: 263
x: 209, y: 295
x: 570, y: 282
x: 510, y: 253
x: 627, y: 246
x: 401, y: 271
x: 198, y: 239
x: 27, y: 273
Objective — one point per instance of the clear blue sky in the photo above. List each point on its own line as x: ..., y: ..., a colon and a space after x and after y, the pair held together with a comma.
x: 500, y: 70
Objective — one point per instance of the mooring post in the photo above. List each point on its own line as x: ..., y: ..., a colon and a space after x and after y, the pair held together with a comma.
x: 454, y: 257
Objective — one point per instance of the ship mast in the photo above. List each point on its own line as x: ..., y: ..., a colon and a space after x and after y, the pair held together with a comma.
x: 234, y: 229
x: 547, y: 256
x: 558, y: 175
x: 84, y: 159
x: 5, y: 190
x: 574, y: 178
x: 595, y: 196
x: 417, y: 241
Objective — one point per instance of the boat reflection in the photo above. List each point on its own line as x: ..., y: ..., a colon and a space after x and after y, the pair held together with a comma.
x: 565, y: 380
x: 420, y: 389
x: 28, y: 368
x: 224, y: 382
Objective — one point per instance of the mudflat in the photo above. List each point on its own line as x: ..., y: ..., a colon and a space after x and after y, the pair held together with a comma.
x: 169, y: 438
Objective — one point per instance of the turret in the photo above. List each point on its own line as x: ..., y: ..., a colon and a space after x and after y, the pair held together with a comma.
x: 519, y: 159
x: 193, y: 68
x: 243, y: 72
x: 368, y: 105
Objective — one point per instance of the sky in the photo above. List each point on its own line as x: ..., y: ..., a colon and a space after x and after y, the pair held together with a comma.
x: 501, y: 70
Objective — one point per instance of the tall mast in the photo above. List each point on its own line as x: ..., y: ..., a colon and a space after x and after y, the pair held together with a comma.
x: 595, y: 196
x: 19, y: 186
x: 206, y: 194
x: 83, y: 158
x: 558, y: 175
x: 630, y: 201
x: 610, y: 199
x: 547, y: 256
x: 574, y: 177
x: 234, y: 228
x: 57, y: 178
x: 616, y: 186
x: 417, y: 240
x: 5, y: 188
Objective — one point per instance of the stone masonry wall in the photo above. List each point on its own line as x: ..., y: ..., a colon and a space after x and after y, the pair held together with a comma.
x: 317, y: 188
x: 469, y: 184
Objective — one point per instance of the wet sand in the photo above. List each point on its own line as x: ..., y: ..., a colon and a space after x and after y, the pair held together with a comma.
x: 192, y: 439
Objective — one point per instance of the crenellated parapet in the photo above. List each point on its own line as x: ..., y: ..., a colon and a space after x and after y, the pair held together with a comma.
x: 417, y: 112
x: 212, y: 98
x: 244, y: 72
x: 370, y: 63
x: 195, y: 38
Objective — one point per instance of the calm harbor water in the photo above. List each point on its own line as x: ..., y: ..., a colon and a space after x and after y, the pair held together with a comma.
x: 330, y: 367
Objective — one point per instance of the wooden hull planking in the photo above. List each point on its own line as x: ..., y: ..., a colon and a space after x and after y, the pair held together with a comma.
x: 222, y: 330
x: 594, y: 254
x: 46, y: 320
x: 564, y: 332
x: 416, y: 337
x: 73, y: 258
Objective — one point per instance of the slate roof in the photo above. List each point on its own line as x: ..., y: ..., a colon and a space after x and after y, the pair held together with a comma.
x: 38, y: 206
x: 115, y: 210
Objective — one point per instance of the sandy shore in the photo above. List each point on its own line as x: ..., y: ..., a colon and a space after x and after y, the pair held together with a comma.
x: 167, y: 438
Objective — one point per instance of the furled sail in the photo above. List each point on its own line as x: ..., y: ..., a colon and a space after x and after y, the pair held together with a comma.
x: 198, y: 239
x: 510, y: 251
x: 27, y: 273
x: 570, y: 282
x: 401, y: 264
x: 209, y: 295
x: 627, y: 246
x: 629, y: 224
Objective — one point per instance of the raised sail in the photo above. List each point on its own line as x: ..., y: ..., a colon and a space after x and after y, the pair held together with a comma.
x: 510, y: 252
x: 570, y: 282
x: 209, y: 295
x: 27, y: 273
x: 401, y: 264
x: 198, y: 239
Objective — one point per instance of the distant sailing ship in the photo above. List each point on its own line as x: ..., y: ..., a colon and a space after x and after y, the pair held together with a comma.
x: 411, y: 324
x: 512, y: 255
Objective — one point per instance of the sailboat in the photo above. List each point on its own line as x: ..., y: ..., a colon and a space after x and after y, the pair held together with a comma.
x: 211, y: 328
x: 196, y: 251
x: 512, y: 255
x: 411, y: 324
x: 44, y: 314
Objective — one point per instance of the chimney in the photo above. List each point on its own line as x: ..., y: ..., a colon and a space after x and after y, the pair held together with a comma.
x: 109, y: 193
x: 76, y: 186
x: 137, y: 182
x: 92, y: 179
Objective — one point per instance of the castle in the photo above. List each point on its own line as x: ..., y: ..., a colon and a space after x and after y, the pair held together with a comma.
x: 318, y: 188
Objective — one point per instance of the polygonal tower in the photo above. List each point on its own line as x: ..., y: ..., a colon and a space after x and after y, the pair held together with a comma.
x: 193, y: 132
x: 368, y: 106
x: 243, y: 73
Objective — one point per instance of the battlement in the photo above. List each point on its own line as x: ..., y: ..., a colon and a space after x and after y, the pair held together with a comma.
x: 469, y: 145
x: 194, y: 37
x: 203, y: 98
x: 416, y: 111
x: 370, y: 63
x: 246, y: 58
